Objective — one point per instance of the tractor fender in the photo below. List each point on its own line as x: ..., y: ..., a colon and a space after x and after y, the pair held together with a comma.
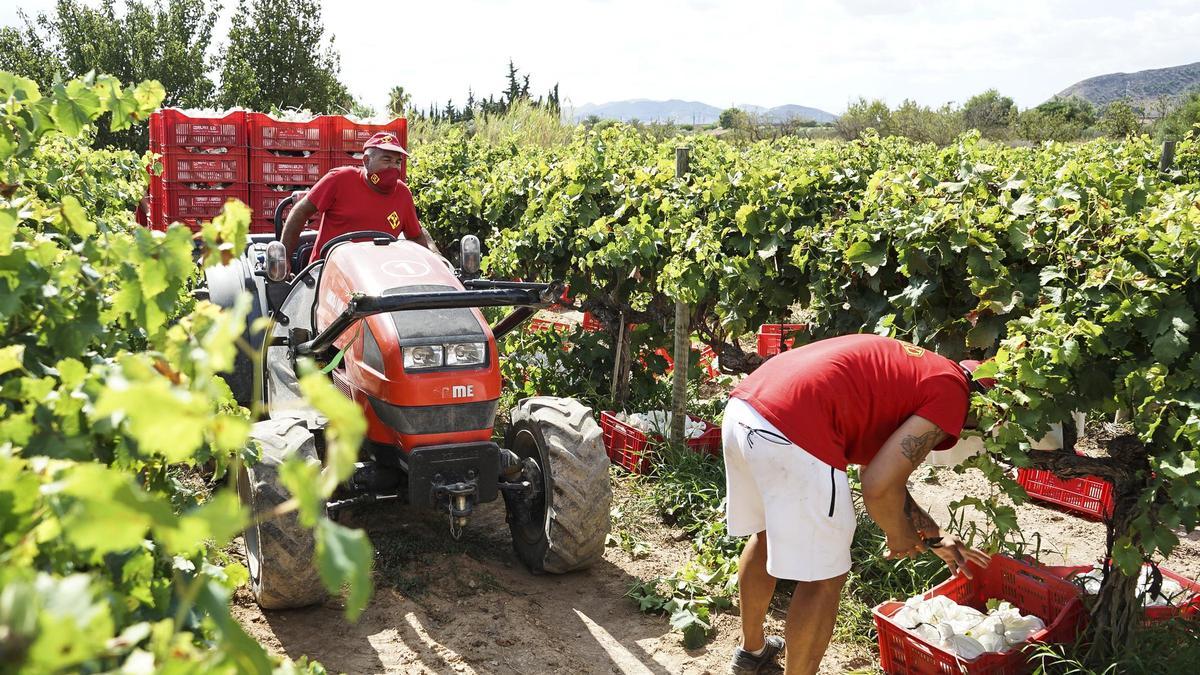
x: 225, y: 283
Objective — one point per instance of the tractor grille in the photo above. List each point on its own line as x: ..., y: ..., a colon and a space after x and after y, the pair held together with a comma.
x: 436, y: 419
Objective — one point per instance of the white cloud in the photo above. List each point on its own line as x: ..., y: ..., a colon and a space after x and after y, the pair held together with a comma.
x: 766, y: 52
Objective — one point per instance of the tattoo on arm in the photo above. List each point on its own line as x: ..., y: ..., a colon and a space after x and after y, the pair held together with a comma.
x: 920, y: 520
x: 915, y: 448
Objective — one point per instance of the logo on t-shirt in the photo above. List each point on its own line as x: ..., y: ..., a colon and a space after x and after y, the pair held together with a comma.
x: 912, y: 350
x: 393, y: 220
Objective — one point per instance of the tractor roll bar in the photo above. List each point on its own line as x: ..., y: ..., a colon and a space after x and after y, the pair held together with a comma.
x: 283, y: 204
x: 361, y: 306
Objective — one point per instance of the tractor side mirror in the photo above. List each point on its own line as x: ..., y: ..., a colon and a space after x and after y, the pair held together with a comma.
x: 469, y: 255
x: 277, y: 265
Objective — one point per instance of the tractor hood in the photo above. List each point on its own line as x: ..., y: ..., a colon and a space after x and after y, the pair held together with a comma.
x: 408, y: 406
x: 372, y: 269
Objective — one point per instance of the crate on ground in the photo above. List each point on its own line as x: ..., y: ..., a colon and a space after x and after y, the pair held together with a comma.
x: 347, y: 136
x: 1031, y: 588
x: 1090, y: 496
x: 631, y: 448
x: 543, y: 321
x: 184, y: 166
x: 174, y: 202
x: 1189, y: 608
x: 774, y: 338
x: 173, y: 128
x: 267, y: 133
x: 269, y: 169
x: 591, y: 323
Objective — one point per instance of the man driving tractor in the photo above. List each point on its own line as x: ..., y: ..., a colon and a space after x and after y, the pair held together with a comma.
x: 350, y: 198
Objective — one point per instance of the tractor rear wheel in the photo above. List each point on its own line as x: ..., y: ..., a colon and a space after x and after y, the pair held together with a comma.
x: 280, y: 552
x: 565, y: 524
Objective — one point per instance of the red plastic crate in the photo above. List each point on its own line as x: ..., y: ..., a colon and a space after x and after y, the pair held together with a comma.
x: 345, y: 135
x: 263, y: 201
x: 702, y: 354
x: 591, y: 323
x: 771, y: 337
x: 543, y: 323
x: 268, y: 169
x: 188, y: 205
x: 630, y: 448
x: 268, y: 133
x: 1151, y: 615
x: 335, y: 159
x: 1031, y: 588
x: 1090, y: 496
x: 181, y: 166
x: 172, y: 128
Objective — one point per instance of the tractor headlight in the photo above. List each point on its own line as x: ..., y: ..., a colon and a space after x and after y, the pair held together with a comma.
x: 466, y: 354
x: 423, y: 356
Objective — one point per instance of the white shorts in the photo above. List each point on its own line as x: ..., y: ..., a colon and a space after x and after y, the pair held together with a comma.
x: 774, y: 485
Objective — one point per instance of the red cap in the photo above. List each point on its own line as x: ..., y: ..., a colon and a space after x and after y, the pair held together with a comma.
x: 385, y: 140
x: 970, y: 365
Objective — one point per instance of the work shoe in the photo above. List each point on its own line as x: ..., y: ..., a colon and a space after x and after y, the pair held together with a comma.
x: 745, y: 663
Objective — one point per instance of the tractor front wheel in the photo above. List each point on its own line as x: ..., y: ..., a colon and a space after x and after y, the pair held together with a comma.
x: 563, y: 526
x: 280, y: 552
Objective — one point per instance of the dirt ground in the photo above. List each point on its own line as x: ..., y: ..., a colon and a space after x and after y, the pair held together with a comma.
x: 442, y: 606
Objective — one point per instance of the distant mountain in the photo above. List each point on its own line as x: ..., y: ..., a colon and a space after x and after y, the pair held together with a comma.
x: 787, y: 112
x: 1143, y: 88
x: 689, y: 112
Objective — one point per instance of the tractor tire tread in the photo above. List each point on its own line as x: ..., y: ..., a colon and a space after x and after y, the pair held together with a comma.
x: 580, y: 503
x: 287, y: 573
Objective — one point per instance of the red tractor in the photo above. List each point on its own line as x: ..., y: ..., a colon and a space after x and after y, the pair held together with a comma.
x: 400, y: 332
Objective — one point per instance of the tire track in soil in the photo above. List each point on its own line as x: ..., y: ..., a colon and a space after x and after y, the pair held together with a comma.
x: 470, y: 607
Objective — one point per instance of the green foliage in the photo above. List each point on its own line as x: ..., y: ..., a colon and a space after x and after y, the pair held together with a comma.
x: 167, y: 41
x: 927, y: 125
x: 1059, y: 119
x: 398, y: 101
x: 1119, y: 119
x: 1073, y: 264
x: 578, y: 364
x: 1183, y: 119
x: 731, y: 118
x: 862, y: 115
x: 991, y: 114
x: 1168, y: 647
x: 278, y: 57
x: 112, y: 411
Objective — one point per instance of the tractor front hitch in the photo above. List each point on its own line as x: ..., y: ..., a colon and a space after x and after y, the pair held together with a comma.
x: 460, y: 502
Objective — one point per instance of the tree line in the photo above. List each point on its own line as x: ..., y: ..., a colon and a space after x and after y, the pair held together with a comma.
x: 997, y: 117
x: 276, y: 56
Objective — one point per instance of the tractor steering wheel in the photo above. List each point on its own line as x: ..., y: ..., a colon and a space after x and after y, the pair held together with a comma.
x: 360, y: 234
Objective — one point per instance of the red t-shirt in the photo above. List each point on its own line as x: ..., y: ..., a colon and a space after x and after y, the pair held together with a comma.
x: 841, y: 398
x: 347, y: 204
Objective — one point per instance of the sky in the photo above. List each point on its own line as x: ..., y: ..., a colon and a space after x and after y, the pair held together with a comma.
x: 761, y: 52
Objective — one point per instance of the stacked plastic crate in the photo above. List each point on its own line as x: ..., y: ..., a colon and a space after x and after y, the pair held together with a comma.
x: 285, y: 156
x: 249, y: 156
x: 346, y: 138
x: 204, y: 164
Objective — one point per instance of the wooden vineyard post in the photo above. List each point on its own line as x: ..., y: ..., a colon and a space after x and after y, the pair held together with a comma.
x: 683, y: 341
x: 621, y: 365
x: 1168, y: 156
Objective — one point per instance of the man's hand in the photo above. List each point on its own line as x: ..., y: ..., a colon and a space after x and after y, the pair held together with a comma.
x: 904, y: 546
x: 957, y: 554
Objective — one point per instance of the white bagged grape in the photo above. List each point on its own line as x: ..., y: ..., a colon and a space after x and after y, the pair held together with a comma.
x: 965, y: 631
